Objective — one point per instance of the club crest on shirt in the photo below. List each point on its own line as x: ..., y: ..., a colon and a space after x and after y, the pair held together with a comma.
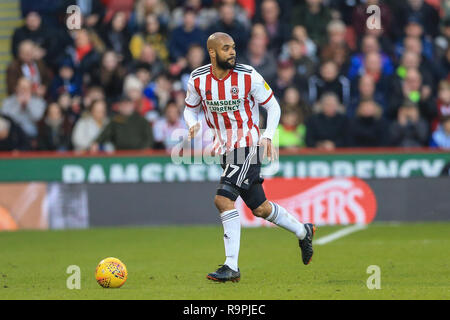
x: 234, y: 90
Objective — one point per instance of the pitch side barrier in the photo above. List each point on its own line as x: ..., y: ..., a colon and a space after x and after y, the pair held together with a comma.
x: 42, y: 190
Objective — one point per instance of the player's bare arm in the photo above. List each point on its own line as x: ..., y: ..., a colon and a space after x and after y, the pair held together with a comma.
x: 270, y: 151
x: 193, y: 131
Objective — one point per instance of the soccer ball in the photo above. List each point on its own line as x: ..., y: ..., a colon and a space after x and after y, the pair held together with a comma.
x: 111, y: 273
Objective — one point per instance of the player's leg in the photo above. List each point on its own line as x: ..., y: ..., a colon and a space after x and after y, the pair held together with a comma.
x: 236, y: 166
x: 227, y: 193
x: 224, y: 201
x: 256, y: 200
x: 278, y: 215
x: 231, y: 228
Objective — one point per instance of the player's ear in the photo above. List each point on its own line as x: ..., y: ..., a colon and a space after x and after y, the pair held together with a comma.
x: 212, y: 53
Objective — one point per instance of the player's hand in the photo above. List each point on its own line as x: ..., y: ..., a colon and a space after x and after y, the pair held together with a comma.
x: 193, y: 131
x: 269, y: 150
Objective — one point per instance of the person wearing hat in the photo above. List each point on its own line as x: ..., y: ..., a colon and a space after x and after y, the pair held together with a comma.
x: 128, y: 130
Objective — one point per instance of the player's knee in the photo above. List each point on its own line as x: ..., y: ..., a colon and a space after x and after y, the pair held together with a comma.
x: 263, y: 211
x: 223, y: 204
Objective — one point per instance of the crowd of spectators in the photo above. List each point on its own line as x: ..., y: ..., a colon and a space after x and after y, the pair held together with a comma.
x: 119, y: 81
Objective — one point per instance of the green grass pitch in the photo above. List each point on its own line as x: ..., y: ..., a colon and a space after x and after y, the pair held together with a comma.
x: 172, y: 263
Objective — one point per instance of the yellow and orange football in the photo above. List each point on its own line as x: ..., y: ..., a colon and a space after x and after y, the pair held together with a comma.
x: 111, y: 273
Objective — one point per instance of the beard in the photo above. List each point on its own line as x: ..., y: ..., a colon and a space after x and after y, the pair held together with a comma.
x: 226, y: 64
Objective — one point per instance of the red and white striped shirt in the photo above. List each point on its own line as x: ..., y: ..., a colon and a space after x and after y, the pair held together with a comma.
x: 230, y: 104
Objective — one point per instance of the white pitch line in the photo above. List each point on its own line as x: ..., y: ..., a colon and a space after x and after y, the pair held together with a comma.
x: 339, y: 234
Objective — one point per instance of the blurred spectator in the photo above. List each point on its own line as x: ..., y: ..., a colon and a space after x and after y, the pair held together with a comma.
x: 373, y: 62
x: 127, y: 130
x: 88, y: 128
x: 244, y: 9
x: 292, y: 98
x: 26, y: 65
x: 300, y: 33
x: 368, y: 128
x: 92, y: 93
x: 195, y: 59
x: 83, y: 54
x: 414, y: 29
x: 337, y: 48
x: 286, y: 77
x: 34, y: 30
x: 446, y: 8
x: 260, y: 58
x: 156, y: 8
x: 419, y: 9
x: 71, y: 107
x: 366, y: 90
x: 285, y: 8
x: 143, y: 74
x: 412, y: 88
x: 445, y: 65
x: 343, y: 10
x: 277, y: 29
x: 24, y: 108
x: 258, y: 30
x: 291, y: 131
x: 116, y: 36
x: 205, y: 16
x: 441, y: 136
x: 443, y: 103
x: 369, y: 44
x: 410, y: 130
x: 12, y: 137
x: 329, y: 80
x: 54, y: 131
x: 229, y: 24
x: 185, y: 36
x: 113, y: 6
x: 327, y: 129
x: 304, y: 66
x: 413, y: 44
x: 146, y: 87
x: 134, y: 89
x: 66, y: 81
x: 164, y: 128
x: 148, y: 57
x: 443, y: 40
x: 304, y: 49
x: 152, y: 35
x: 160, y: 91
x: 109, y: 75
x: 411, y: 60
x: 179, y: 96
x: 315, y: 16
x: 49, y: 10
